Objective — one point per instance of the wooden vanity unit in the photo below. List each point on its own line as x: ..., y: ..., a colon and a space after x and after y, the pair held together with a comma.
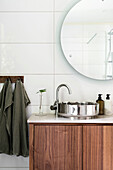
x: 70, y: 145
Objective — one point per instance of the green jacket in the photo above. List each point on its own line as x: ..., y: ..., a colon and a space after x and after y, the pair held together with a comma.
x: 20, y: 128
x: 6, y: 117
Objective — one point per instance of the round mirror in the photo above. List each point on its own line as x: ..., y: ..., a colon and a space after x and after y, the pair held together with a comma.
x: 87, y: 38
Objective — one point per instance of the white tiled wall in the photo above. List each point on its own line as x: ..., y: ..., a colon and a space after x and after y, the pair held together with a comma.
x: 26, y: 27
x: 26, y: 5
x: 29, y: 46
x: 23, y: 58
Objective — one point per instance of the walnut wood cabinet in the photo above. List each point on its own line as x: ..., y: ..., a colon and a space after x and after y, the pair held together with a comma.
x: 98, y: 147
x: 70, y: 147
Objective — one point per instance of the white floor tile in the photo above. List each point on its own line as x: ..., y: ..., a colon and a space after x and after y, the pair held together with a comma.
x: 14, y: 168
x: 7, y: 161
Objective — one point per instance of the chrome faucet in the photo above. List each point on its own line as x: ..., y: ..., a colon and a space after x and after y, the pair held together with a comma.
x: 55, y: 106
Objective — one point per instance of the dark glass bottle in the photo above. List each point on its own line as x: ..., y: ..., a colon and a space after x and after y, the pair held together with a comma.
x: 101, y: 104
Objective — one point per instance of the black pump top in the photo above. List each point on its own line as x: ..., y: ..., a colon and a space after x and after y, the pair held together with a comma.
x: 107, y: 96
x: 99, y: 96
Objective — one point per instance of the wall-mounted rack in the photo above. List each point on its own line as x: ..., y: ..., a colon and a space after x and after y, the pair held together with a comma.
x: 12, y: 78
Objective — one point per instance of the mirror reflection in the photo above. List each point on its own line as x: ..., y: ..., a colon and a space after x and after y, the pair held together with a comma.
x: 87, y: 38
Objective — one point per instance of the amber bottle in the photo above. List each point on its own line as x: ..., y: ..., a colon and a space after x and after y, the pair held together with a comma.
x: 101, y: 104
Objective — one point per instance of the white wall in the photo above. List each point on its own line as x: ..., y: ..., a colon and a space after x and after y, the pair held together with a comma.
x: 29, y: 46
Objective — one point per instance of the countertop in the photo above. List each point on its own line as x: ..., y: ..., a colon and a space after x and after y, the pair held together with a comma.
x: 50, y: 118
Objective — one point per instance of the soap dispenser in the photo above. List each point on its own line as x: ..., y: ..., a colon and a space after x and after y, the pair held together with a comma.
x: 101, y: 104
x: 108, y: 105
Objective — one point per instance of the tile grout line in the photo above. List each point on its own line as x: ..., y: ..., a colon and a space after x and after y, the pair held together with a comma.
x: 34, y: 11
x: 25, y: 43
x: 36, y: 74
x: 26, y: 11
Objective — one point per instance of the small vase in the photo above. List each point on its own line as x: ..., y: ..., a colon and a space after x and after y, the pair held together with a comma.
x: 40, y: 106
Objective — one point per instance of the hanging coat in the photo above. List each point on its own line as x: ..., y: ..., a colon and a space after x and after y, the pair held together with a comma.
x: 6, y: 117
x: 20, y: 128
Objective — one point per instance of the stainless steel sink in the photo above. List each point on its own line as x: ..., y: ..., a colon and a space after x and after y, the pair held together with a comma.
x: 80, y: 110
x: 77, y: 110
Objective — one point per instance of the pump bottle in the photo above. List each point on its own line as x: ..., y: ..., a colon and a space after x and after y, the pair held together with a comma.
x: 108, y: 105
x: 101, y: 104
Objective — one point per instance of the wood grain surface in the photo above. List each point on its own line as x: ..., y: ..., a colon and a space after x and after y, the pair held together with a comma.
x: 58, y: 148
x: 12, y: 78
x: 70, y: 147
x: 97, y: 148
x: 31, y: 146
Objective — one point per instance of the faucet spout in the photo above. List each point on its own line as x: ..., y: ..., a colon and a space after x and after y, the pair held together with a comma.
x: 57, y: 96
x: 58, y: 88
x: 55, y: 106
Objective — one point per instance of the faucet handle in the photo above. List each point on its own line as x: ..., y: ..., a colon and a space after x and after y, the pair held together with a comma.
x: 54, y: 107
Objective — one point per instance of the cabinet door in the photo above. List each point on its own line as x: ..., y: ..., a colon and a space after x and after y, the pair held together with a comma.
x: 98, y: 147
x: 57, y: 147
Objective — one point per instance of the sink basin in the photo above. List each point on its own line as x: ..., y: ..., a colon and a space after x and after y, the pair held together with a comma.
x: 85, y: 109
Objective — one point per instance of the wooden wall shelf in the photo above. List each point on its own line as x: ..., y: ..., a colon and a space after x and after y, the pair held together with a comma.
x: 13, y: 78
